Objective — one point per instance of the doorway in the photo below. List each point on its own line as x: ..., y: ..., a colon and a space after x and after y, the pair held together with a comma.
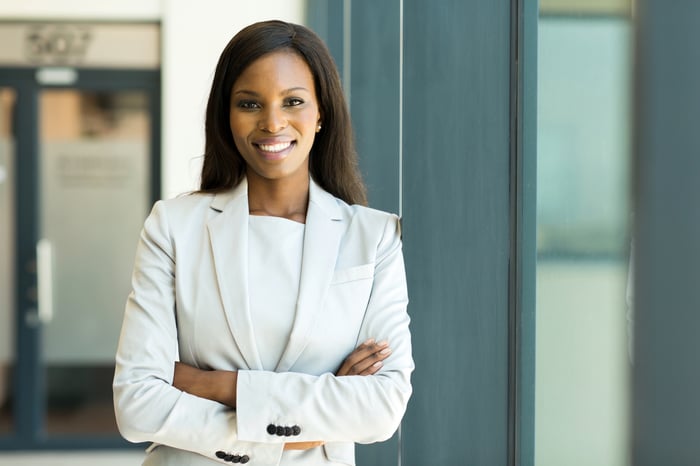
x: 79, y: 169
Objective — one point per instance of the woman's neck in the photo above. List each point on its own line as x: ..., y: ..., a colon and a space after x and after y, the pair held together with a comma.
x: 287, y: 198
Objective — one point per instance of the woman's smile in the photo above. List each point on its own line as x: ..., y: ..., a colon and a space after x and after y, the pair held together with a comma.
x: 271, y: 150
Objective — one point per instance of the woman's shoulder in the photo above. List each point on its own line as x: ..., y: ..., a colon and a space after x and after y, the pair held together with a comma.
x: 373, y: 226
x: 371, y: 221
x: 186, y: 201
x: 184, y: 206
x: 369, y: 213
x: 333, y: 204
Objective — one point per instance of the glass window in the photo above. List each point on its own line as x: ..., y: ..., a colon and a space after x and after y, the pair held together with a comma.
x: 582, y: 220
x: 94, y: 158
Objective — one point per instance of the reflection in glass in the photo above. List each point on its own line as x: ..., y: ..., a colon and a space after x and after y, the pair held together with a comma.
x: 94, y: 159
x: 7, y: 257
x: 582, y: 215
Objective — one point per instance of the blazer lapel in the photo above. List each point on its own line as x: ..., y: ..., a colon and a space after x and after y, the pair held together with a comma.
x: 321, y: 243
x: 228, y: 233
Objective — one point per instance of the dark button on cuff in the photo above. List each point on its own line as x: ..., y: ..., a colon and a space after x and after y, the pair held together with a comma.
x: 282, y: 431
x: 228, y: 457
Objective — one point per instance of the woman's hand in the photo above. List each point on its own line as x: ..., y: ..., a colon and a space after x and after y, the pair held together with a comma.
x: 213, y: 385
x: 366, y: 359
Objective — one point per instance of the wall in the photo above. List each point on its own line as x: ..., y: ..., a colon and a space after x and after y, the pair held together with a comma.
x: 666, y: 380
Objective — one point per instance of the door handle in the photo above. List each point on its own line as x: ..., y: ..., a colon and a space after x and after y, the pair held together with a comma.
x: 44, y: 278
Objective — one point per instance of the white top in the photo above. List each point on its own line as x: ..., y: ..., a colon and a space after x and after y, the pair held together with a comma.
x: 275, y: 247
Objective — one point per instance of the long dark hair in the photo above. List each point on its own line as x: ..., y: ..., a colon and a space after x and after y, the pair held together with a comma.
x: 333, y: 159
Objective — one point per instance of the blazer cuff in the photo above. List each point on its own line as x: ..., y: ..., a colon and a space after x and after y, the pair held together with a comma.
x: 256, y: 425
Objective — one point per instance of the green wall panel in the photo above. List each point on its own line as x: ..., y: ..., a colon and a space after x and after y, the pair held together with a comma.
x: 456, y: 229
x: 666, y: 380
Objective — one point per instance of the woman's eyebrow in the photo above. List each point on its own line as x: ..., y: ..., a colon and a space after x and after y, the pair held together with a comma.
x: 246, y: 91
x: 293, y: 89
x: 286, y: 91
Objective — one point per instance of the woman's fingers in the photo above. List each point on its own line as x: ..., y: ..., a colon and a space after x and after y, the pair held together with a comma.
x: 371, y: 363
x: 302, y: 445
x: 366, y: 359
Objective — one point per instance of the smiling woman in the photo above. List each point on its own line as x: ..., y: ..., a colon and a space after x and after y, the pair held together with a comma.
x: 267, y: 322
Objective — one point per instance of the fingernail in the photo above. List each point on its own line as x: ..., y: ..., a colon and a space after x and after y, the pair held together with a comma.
x: 369, y: 342
x: 377, y: 364
x: 385, y: 351
x: 382, y: 343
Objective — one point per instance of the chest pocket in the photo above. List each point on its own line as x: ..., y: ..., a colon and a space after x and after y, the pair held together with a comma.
x: 351, y: 274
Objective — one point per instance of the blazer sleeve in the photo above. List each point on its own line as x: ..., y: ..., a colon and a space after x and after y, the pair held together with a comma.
x: 147, y: 406
x: 361, y: 409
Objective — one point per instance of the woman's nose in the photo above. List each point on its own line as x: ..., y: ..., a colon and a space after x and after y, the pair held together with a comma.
x: 272, y: 120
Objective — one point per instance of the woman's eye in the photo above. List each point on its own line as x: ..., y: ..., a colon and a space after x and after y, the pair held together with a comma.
x: 247, y: 105
x: 294, y: 101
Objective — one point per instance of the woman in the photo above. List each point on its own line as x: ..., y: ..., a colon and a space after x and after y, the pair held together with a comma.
x: 267, y: 323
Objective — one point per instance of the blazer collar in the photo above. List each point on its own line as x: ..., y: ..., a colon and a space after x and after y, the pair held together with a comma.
x: 323, y: 200
x: 228, y: 234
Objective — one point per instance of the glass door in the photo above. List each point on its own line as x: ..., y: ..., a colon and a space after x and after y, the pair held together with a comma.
x: 94, y: 170
x: 79, y: 169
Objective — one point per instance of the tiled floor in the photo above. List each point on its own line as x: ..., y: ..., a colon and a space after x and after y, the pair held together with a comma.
x: 54, y: 458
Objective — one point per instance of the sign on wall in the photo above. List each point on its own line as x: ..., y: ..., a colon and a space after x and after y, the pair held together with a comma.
x: 89, y: 45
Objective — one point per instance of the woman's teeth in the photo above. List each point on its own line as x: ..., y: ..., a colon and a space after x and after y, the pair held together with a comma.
x: 275, y: 147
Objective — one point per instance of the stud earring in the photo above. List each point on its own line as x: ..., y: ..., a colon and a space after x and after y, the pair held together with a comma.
x: 318, y: 128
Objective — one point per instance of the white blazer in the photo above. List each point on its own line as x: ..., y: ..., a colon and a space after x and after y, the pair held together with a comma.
x: 190, y: 303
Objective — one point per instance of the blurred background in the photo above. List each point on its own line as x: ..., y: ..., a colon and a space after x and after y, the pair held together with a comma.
x: 584, y: 140
x: 503, y: 133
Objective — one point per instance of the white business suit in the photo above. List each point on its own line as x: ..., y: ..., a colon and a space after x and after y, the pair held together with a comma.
x: 190, y: 303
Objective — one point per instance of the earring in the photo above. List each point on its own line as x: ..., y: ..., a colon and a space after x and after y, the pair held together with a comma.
x: 318, y: 128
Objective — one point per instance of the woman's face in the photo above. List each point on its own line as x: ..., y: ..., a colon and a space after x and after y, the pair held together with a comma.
x: 274, y: 116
